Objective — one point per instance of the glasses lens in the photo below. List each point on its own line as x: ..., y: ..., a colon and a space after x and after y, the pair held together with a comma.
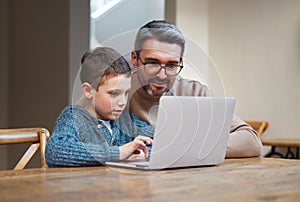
x: 154, y: 68
x: 173, y: 70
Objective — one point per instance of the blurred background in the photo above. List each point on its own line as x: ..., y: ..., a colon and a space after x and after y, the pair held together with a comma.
x: 249, y: 49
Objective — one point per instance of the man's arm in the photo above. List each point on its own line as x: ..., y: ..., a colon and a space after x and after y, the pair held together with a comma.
x: 243, y: 140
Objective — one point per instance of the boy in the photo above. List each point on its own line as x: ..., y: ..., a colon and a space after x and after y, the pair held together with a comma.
x: 87, y: 134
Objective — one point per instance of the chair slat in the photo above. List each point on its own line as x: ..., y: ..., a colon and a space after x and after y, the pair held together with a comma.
x: 37, y: 136
x: 259, y: 126
x: 18, y: 138
x: 27, y: 156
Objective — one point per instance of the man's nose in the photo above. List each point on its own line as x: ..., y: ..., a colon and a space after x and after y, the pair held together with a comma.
x: 162, y: 74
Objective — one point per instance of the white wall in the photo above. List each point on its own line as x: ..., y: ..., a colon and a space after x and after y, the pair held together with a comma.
x: 256, y: 48
x: 193, y: 22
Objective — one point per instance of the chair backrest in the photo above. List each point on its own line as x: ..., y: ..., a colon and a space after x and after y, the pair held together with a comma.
x: 259, y: 126
x: 37, y: 136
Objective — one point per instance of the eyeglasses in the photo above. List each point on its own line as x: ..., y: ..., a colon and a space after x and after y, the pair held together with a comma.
x: 154, y: 68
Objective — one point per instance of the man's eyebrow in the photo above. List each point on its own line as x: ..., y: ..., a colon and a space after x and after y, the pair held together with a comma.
x: 157, y: 60
x: 152, y: 59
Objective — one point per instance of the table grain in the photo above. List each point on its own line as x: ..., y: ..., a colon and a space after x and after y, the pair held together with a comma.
x: 243, y: 179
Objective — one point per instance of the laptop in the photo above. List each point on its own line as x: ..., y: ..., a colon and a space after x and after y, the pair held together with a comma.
x: 189, y: 131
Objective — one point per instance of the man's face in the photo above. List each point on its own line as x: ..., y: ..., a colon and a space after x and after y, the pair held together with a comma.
x: 156, y: 52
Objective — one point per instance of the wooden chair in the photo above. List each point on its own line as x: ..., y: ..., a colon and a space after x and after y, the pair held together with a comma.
x: 259, y: 126
x: 37, y: 136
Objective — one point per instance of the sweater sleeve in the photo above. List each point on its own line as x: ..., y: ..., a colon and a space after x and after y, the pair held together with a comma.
x: 142, y: 128
x: 243, y: 140
x: 130, y: 124
x: 66, y: 147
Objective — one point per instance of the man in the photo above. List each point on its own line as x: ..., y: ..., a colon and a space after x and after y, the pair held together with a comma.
x: 157, y: 62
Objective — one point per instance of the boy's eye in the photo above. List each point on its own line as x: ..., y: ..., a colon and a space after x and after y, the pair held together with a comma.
x: 118, y: 93
x: 115, y: 94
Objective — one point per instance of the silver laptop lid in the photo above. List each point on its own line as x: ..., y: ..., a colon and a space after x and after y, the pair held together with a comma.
x: 191, y: 131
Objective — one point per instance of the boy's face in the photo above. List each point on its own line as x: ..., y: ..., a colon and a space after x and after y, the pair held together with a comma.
x: 111, y: 98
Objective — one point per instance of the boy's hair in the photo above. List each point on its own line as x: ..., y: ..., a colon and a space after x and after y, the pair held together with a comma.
x: 100, y: 64
x: 159, y: 30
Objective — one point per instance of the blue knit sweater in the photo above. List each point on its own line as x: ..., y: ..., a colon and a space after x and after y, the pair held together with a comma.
x: 79, y: 139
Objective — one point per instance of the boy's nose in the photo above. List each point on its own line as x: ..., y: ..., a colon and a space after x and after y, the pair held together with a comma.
x: 122, y: 101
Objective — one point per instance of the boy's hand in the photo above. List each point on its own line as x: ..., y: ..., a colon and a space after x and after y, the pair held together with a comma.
x: 138, y: 145
x: 137, y: 155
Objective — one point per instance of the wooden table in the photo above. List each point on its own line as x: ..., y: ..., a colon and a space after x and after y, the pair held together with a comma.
x: 288, y: 143
x: 248, y: 179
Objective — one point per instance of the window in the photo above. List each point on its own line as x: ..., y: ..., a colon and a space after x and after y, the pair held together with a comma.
x: 98, y: 7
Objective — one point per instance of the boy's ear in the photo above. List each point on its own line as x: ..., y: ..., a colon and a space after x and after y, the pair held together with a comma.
x: 87, y: 90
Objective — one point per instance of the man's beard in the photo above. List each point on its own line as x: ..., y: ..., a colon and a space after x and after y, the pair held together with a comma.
x: 150, y: 92
x: 145, y: 85
x: 156, y: 81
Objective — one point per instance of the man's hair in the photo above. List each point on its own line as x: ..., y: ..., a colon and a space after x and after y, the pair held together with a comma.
x: 100, y: 64
x: 159, y: 30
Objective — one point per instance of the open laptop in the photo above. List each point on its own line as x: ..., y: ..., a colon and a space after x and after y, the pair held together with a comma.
x: 189, y: 131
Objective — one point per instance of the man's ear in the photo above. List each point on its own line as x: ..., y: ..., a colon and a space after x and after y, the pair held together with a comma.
x: 134, y: 59
x: 87, y: 90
